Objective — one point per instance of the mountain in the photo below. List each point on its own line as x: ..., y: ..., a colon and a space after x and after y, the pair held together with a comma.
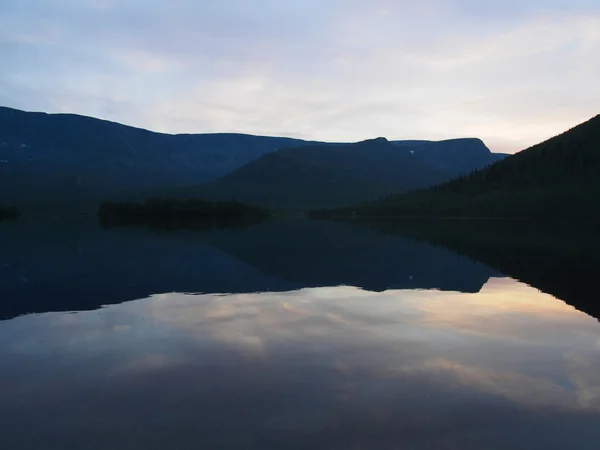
x: 327, y: 175
x: 58, y: 162
x: 557, y: 178
x: 78, y: 161
x: 454, y: 157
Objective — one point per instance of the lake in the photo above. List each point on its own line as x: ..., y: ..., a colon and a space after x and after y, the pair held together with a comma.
x: 299, y: 334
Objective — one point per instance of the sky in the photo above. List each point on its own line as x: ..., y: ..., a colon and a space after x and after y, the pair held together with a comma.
x: 511, y: 72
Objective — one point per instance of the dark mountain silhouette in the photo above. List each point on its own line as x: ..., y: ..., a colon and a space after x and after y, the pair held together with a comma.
x: 557, y: 178
x: 454, y: 157
x: 78, y: 161
x: 58, y: 162
x: 335, y: 175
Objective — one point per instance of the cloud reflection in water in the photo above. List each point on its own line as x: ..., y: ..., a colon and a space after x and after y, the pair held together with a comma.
x: 314, y: 368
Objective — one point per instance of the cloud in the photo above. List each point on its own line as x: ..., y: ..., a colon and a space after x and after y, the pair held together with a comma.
x: 513, y: 73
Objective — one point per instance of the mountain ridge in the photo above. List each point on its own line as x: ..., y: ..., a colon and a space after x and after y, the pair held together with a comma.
x: 559, y: 177
x: 81, y: 160
x: 139, y: 128
x: 70, y: 162
x: 330, y: 175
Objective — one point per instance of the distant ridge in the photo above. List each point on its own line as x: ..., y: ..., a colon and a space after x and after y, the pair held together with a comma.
x: 330, y: 175
x: 557, y: 178
x: 71, y: 163
x: 78, y: 161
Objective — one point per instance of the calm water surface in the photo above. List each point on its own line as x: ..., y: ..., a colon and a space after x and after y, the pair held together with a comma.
x: 290, y: 335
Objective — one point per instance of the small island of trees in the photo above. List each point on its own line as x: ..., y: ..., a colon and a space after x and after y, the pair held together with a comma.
x: 178, y: 213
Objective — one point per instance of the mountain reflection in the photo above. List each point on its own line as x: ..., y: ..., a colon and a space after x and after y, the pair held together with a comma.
x: 78, y: 266
x: 558, y: 257
x: 330, y: 368
x: 299, y: 334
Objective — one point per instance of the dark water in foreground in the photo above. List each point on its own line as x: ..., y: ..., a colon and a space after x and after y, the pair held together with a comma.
x: 291, y: 334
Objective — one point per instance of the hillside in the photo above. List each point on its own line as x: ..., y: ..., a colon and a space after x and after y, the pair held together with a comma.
x: 326, y: 175
x: 454, y: 157
x: 557, y: 178
x: 66, y: 162
x: 77, y: 161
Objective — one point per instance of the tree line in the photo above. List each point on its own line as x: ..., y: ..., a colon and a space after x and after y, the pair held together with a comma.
x: 166, y: 214
x: 163, y: 207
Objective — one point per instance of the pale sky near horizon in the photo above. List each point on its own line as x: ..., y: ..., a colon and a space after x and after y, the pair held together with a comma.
x: 511, y: 72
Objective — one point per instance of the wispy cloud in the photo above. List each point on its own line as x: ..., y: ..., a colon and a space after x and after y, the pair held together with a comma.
x: 512, y: 73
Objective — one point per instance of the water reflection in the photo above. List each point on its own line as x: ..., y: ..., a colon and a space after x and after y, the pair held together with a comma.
x: 561, y: 258
x: 76, y: 266
x: 331, y: 367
